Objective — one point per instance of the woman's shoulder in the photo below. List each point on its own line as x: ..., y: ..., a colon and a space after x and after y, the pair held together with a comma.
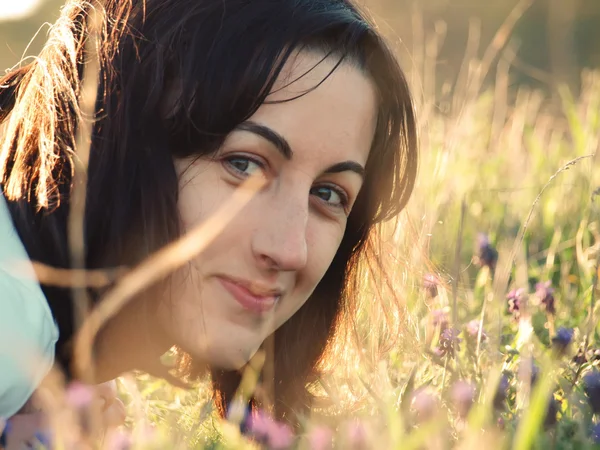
x: 28, y: 336
x: 28, y: 333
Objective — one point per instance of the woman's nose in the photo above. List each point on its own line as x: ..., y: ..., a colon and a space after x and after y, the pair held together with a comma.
x: 279, y: 242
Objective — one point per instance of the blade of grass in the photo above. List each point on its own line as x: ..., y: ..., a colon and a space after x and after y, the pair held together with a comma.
x: 535, y: 414
x: 83, y: 139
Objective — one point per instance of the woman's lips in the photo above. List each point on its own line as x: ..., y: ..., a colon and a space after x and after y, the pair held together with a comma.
x: 252, y: 302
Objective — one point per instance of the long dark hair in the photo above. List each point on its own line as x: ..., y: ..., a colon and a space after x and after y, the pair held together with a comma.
x: 220, y: 58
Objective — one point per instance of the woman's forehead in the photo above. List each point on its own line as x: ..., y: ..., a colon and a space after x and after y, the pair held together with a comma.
x: 305, y: 70
x: 338, y: 118
x: 325, y: 107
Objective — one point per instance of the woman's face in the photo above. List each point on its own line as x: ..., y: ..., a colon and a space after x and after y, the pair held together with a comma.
x: 267, y: 261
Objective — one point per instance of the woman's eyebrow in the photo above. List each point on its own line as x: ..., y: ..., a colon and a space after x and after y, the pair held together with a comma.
x: 282, y: 145
x: 278, y: 141
x: 351, y: 166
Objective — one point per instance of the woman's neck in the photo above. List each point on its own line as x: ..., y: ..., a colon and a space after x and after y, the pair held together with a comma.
x: 132, y: 340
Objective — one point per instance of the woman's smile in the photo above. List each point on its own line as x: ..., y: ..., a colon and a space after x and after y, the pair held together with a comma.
x: 253, y: 296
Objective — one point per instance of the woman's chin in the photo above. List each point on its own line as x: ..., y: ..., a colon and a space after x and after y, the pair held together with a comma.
x: 232, y: 359
x: 224, y: 355
x: 223, y: 344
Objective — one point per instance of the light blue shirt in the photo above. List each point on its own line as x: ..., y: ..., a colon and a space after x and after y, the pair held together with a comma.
x: 28, y: 332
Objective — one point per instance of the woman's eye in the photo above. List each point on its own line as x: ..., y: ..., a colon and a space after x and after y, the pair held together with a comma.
x: 334, y: 197
x: 243, y: 165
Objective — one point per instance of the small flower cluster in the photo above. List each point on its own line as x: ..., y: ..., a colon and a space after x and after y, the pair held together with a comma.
x: 449, y: 343
x: 430, y: 285
x: 463, y: 395
x: 545, y: 293
x: 584, y: 356
x: 440, y: 319
x: 472, y: 331
x: 487, y: 255
x: 562, y: 340
x: 424, y: 405
x: 515, y: 300
x: 501, y: 393
x: 320, y: 438
x: 268, y: 431
x: 591, y: 387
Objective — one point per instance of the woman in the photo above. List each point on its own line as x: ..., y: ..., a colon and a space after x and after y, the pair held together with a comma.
x: 194, y: 97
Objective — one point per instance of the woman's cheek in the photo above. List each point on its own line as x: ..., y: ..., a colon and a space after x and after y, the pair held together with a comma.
x: 323, y: 241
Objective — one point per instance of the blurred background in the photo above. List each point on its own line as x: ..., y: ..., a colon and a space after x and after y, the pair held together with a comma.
x: 547, y: 42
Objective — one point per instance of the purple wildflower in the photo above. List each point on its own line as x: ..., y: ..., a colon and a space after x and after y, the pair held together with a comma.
x: 487, y: 254
x: 430, y: 284
x: 449, y: 342
x: 515, y: 300
x: 545, y: 293
x: 424, y: 404
x: 501, y: 393
x: 280, y: 436
x: 260, y: 424
x: 463, y: 397
x: 562, y: 340
x: 438, y: 352
x: 591, y: 387
x: 277, y: 435
x: 320, y: 438
x: 357, y: 435
x: 472, y: 330
x: 582, y: 356
x: 439, y: 319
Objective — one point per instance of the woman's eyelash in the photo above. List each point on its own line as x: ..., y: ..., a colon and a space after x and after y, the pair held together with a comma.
x: 343, y: 196
x: 229, y: 160
x: 344, y: 200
